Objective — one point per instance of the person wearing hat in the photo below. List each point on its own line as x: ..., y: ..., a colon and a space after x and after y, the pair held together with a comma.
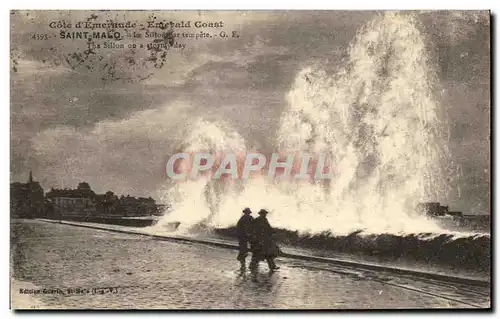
x: 264, y: 247
x: 244, y: 232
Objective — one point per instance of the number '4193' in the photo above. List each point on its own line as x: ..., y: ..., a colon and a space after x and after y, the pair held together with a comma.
x: 39, y: 36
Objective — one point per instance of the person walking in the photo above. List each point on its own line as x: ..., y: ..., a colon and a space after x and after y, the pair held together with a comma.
x: 264, y: 248
x: 244, y: 232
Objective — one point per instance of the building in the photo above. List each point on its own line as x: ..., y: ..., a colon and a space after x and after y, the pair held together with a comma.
x: 73, y: 202
x: 26, y: 199
x: 129, y: 206
x: 106, y: 204
x: 432, y: 209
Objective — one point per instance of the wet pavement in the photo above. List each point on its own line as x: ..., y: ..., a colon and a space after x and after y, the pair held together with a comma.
x: 62, y: 266
x: 399, y: 263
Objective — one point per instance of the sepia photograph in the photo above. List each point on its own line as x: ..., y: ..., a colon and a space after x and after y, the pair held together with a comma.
x: 250, y: 160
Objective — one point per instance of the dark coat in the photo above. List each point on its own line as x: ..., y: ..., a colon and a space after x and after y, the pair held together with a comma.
x: 265, y: 246
x: 244, y: 232
x: 244, y: 228
x: 262, y: 229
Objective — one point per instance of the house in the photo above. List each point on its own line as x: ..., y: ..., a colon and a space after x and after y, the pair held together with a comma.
x: 73, y: 202
x: 129, y: 206
x: 26, y: 199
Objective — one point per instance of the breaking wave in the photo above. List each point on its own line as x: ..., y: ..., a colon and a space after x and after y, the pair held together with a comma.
x: 376, y: 116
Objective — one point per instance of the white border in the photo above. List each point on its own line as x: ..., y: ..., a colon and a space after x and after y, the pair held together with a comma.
x: 260, y: 5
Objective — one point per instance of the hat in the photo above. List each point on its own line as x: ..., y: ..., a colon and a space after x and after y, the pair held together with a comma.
x: 263, y: 212
x: 247, y: 211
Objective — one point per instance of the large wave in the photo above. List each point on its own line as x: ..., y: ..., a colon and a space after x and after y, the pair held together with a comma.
x: 376, y: 117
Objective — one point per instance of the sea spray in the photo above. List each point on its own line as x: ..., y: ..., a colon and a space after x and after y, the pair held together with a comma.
x: 375, y: 116
x: 378, y: 118
x: 196, y: 201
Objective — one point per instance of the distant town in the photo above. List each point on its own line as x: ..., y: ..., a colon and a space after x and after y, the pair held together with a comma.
x: 28, y: 200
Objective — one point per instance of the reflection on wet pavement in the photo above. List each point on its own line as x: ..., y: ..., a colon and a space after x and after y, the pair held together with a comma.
x: 153, y: 274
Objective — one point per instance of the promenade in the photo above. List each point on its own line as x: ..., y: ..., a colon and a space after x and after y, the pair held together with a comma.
x: 63, y: 266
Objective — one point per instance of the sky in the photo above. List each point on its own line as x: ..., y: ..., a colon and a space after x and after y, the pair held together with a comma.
x: 114, y: 127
